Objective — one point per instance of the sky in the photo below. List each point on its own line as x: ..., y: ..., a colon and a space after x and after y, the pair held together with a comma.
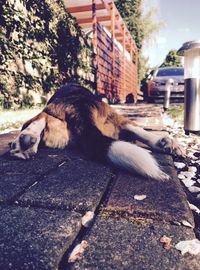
x: 181, y: 24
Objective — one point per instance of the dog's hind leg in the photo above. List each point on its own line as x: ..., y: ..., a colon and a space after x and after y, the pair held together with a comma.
x: 158, y: 143
x: 121, y: 154
x: 26, y: 144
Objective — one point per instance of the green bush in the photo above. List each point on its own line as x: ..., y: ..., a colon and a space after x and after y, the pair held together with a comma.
x: 41, y: 48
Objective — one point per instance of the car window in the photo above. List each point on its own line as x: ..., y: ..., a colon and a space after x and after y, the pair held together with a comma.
x: 170, y: 72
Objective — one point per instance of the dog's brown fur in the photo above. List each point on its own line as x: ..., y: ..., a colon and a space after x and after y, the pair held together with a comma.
x: 74, y: 115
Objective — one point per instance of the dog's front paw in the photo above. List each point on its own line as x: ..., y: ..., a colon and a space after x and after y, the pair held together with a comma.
x: 171, y: 146
x: 25, y: 146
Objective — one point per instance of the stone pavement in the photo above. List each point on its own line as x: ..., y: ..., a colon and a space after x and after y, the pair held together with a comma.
x: 42, y: 202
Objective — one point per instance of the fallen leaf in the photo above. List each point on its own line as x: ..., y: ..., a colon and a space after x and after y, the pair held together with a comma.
x: 194, y: 208
x: 78, y: 251
x: 87, y: 219
x: 186, y: 224
x: 140, y: 197
x: 190, y: 246
x: 166, y: 241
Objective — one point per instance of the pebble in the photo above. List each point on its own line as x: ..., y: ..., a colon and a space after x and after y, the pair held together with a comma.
x: 194, y: 189
x: 188, y: 182
x: 192, y: 169
x: 188, y: 174
x: 190, y: 178
x: 179, y: 165
x: 181, y: 176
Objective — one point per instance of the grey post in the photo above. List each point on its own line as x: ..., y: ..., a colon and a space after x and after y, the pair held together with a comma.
x: 168, y: 87
x: 191, y: 52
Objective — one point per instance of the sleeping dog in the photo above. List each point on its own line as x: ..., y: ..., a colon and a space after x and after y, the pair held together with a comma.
x: 74, y: 115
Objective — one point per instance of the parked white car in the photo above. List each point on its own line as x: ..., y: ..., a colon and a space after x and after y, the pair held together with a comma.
x: 157, y: 83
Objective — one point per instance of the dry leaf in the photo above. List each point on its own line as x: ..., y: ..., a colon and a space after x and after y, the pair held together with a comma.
x: 166, y: 242
x: 190, y: 246
x: 194, y: 208
x: 87, y: 219
x: 78, y: 251
x: 140, y: 197
x: 186, y: 224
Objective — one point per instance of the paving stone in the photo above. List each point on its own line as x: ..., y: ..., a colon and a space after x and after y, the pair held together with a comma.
x: 165, y: 200
x: 44, y: 161
x: 17, y: 175
x: 147, y: 115
x: 13, y: 184
x: 77, y: 184
x: 35, y: 238
x: 122, y: 245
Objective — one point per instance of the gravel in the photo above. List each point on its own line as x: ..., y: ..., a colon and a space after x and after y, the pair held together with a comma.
x: 188, y: 169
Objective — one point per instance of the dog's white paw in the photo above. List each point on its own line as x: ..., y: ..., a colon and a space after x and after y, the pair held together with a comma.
x: 171, y: 146
x: 24, y: 146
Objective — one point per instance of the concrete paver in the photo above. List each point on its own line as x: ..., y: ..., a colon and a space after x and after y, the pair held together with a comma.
x: 35, y: 238
x: 121, y: 244
x: 17, y: 175
x: 165, y: 201
x: 78, y: 185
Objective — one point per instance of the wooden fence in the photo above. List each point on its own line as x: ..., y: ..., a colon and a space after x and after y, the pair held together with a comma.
x: 116, y: 72
x: 116, y: 55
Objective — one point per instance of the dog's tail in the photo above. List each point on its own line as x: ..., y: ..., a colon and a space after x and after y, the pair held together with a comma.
x: 122, y: 154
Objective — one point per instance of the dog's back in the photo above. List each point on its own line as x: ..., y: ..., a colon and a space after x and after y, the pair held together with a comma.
x: 73, y: 91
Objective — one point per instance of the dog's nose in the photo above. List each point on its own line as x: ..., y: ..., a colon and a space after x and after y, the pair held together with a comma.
x: 26, y: 141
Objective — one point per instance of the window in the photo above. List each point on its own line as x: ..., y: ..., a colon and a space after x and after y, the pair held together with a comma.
x: 170, y: 72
